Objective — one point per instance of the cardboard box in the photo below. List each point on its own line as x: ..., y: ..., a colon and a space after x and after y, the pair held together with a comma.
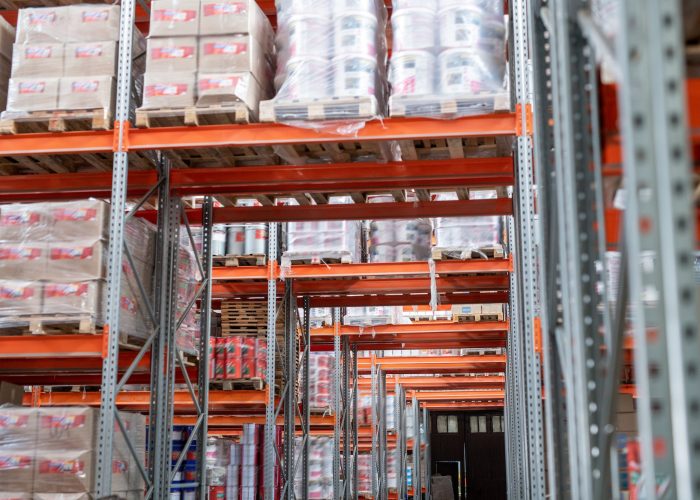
x: 23, y: 260
x: 84, y: 219
x: 42, y: 25
x: 7, y: 39
x: 248, y: 357
x: 37, y: 60
x: 76, y: 260
x: 168, y: 90
x: 178, y: 54
x: 19, y: 298
x: 33, y: 94
x: 62, y: 496
x: 90, y: 58
x: 22, y: 222
x: 16, y: 468
x: 228, y: 88
x: 69, y: 428
x: 86, y: 92
x: 77, y: 297
x: 174, y: 18
x: 19, y: 495
x: 230, y: 17
x: 18, y: 428
x: 261, y: 358
x: 63, y: 471
x: 11, y: 393
x: 93, y: 22
x: 465, y: 309
x: 220, y: 356
x: 234, y: 369
x: 233, y: 53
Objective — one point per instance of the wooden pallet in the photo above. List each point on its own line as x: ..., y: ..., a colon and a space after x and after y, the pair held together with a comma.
x: 368, y: 321
x: 443, y: 106
x: 256, y: 384
x: 320, y: 109
x: 471, y: 318
x: 194, y: 116
x: 56, y: 121
x: 49, y: 324
x: 490, y: 252
x: 342, y: 257
x: 256, y: 259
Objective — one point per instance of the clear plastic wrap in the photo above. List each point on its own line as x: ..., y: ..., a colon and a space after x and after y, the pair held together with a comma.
x: 331, y: 64
x: 448, y: 58
x: 46, y: 452
x: 320, y: 381
x: 238, y: 357
x: 65, y: 59
x: 320, y: 485
x: 319, y: 241
x: 206, y: 54
x: 370, y: 316
x: 364, y: 474
x: 467, y: 234
x: 398, y: 240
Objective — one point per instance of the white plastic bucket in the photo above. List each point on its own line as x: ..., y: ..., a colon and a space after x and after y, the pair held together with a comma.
x: 400, y: 5
x: 412, y: 73
x: 287, y: 8
x: 413, y: 29
x: 492, y: 7
x: 305, y: 77
x: 306, y: 36
x: 470, y: 27
x: 235, y: 239
x: 218, y: 239
x: 355, y: 32
x: 255, y: 239
x: 354, y: 76
x: 466, y: 71
x: 342, y: 6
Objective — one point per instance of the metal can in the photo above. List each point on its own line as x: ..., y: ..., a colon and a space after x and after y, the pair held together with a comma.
x: 218, y: 239
x: 235, y: 239
x: 255, y: 239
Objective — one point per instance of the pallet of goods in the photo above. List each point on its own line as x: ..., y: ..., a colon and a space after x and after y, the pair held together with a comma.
x: 208, y: 62
x: 321, y: 368
x: 448, y: 58
x: 240, y: 361
x: 320, y: 484
x: 64, y: 64
x: 50, y: 453
x: 406, y: 240
x: 330, y: 62
x: 477, y: 312
x: 237, y: 245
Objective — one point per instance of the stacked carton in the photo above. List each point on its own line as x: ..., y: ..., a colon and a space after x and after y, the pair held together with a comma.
x: 65, y: 58
x: 468, y: 233
x: 53, y: 265
x: 7, y: 38
x: 209, y: 52
x: 250, y: 445
x: 50, y: 453
x: 404, y: 240
x: 320, y: 485
x: 321, y: 368
x: 238, y: 357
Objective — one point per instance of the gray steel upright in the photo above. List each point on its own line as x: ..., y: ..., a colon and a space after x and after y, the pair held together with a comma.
x: 660, y: 227
x: 306, y: 420
x: 120, y: 168
x: 417, y: 479
x: 270, y: 450
x: 290, y: 389
x: 345, y: 419
x: 337, y: 406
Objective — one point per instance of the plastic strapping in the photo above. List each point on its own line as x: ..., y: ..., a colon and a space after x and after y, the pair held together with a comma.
x: 434, y: 298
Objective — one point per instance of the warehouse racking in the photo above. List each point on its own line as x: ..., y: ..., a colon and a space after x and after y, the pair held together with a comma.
x: 548, y: 277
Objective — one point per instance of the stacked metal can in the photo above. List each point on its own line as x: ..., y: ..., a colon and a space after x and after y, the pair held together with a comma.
x: 463, y: 39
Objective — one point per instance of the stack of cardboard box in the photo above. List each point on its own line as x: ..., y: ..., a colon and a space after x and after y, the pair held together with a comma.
x: 209, y: 52
x: 65, y: 58
x: 50, y: 453
x: 7, y: 38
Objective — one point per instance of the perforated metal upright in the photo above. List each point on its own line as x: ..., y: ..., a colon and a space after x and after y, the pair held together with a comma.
x: 417, y: 478
x: 270, y: 445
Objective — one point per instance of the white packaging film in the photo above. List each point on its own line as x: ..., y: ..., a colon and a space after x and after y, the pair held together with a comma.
x: 208, y: 53
x: 64, y: 59
x: 320, y: 484
x: 467, y: 234
x: 331, y: 64
x: 448, y: 58
x: 49, y: 452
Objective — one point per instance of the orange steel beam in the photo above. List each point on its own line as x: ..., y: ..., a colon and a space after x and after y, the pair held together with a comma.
x: 457, y: 395
x: 368, y: 286
x: 410, y: 299
x: 240, y: 420
x: 353, y: 211
x: 54, y: 346
x: 442, y: 267
x: 397, y: 346
x: 271, y: 179
x: 462, y: 405
x: 458, y: 382
x: 417, y: 328
x: 140, y: 400
x: 435, y: 364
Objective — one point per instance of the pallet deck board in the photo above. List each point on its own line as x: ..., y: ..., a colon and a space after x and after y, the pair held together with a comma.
x: 319, y: 109
x: 194, y: 116
x: 56, y: 121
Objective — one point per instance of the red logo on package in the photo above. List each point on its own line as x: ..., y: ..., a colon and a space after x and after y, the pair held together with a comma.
x: 75, y: 467
x: 225, y: 8
x: 219, y: 48
x: 19, y: 218
x: 127, y: 304
x: 14, y: 293
x: 85, y: 86
x: 62, y: 421
x: 164, y: 89
x: 119, y: 467
x: 40, y: 17
x: 32, y: 87
x: 260, y: 234
x: 95, y: 16
x: 13, y: 421
x: 186, y: 52
x: 73, y: 215
x: 167, y: 15
x: 37, y: 52
x: 15, y: 462
x: 20, y: 253
x: 217, y: 83
x: 66, y: 290
x: 88, y: 51
x: 71, y: 253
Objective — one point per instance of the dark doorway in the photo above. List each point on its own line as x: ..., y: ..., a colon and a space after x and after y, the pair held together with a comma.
x: 470, y: 447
